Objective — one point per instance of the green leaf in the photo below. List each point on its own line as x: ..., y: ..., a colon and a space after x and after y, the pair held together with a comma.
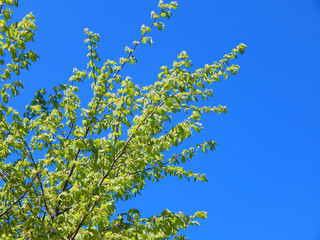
x: 37, y: 108
x: 96, y: 37
x: 196, y: 128
x: 7, y: 74
x: 12, y: 50
x: 7, y: 15
x: 169, y: 102
x: 97, y: 143
x: 202, y: 215
x: 33, y: 57
x: 9, y: 2
x: 24, y: 64
x: 128, y: 102
x: 80, y: 144
x: 131, y: 92
x: 5, y: 98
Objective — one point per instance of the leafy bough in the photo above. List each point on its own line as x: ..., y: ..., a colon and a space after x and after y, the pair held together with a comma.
x: 65, y: 166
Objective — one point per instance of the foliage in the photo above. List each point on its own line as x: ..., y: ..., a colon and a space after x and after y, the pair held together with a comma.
x: 64, y: 166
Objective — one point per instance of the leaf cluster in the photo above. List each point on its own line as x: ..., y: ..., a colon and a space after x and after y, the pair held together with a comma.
x: 65, y: 166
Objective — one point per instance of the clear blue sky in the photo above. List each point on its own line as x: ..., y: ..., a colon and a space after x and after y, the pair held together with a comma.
x: 264, y: 176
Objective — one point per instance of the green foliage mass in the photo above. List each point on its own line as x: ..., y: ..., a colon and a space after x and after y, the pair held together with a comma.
x: 64, y: 166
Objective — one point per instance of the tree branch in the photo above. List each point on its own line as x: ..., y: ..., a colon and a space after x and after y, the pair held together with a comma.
x: 121, y: 152
x: 22, y: 195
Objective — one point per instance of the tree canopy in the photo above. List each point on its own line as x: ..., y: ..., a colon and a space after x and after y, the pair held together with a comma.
x: 65, y: 165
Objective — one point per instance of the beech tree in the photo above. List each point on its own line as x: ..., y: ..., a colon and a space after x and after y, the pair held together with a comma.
x: 64, y: 166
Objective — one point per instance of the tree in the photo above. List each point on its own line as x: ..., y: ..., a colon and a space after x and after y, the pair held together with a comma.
x: 65, y: 166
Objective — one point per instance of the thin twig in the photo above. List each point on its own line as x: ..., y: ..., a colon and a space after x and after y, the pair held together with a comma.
x: 22, y: 195
x: 74, y: 234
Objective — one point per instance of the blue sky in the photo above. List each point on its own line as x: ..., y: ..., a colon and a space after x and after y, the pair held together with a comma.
x: 264, y: 176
